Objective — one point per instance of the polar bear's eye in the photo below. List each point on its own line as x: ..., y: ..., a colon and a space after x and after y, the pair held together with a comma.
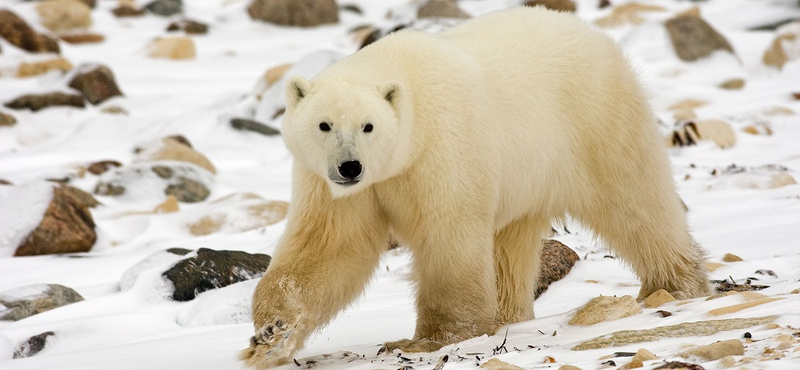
x: 368, y: 127
x: 324, y: 126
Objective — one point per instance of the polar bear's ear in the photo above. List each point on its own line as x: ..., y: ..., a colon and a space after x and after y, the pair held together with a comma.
x: 296, y: 89
x: 392, y: 92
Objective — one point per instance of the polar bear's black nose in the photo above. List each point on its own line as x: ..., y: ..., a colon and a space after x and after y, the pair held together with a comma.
x: 350, y: 169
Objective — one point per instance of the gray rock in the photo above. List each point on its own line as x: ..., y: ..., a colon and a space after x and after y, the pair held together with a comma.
x: 244, y: 124
x: 302, y: 13
x: 187, y: 190
x: 33, y: 345
x: 441, y: 9
x: 693, y: 38
x: 165, y: 8
x: 212, y: 269
x: 31, y: 300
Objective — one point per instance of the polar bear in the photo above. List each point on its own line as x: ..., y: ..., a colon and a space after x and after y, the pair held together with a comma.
x: 465, y: 146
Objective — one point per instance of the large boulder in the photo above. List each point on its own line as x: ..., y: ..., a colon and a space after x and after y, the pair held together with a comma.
x: 212, y: 269
x: 302, y: 13
x: 17, y: 32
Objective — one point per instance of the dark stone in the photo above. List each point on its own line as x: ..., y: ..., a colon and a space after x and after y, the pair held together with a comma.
x: 53, y: 297
x: 372, y: 37
x: 679, y: 366
x: 188, y: 191
x: 7, y: 120
x: 5, y: 182
x: 302, y: 13
x: 179, y: 251
x: 773, y: 25
x: 67, y: 227
x: 97, y: 85
x: 180, y: 139
x: 557, y: 5
x: 557, y: 260
x: 20, y: 34
x: 163, y: 172
x: 212, y: 269
x: 83, y: 38
x: 353, y: 9
x: 188, y: 26
x: 165, y: 8
x: 36, y: 102
x: 110, y: 189
x: 101, y: 167
x: 693, y: 38
x: 32, y: 346
x: 127, y: 11
x: 604, y: 4
x: 441, y: 9
x: 244, y: 124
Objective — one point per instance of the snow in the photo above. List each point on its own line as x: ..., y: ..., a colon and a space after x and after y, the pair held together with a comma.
x: 127, y: 320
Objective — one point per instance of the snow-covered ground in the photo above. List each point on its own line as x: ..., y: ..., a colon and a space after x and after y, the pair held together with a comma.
x: 139, y: 328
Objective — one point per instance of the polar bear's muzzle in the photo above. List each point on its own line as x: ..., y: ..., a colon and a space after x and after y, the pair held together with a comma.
x: 346, y: 174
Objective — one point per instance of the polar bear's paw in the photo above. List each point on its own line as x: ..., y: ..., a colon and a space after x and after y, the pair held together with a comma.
x: 271, y: 346
x: 409, y: 345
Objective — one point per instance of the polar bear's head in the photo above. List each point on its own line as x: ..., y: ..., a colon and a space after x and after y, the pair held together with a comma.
x: 349, y: 134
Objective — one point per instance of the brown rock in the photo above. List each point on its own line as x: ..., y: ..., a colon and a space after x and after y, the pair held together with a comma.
x: 82, y: 196
x: 693, y: 38
x: 729, y: 257
x: 495, y: 364
x: 123, y: 11
x: 189, y: 26
x: 732, y: 84
x: 716, y: 351
x: 7, y: 120
x: 97, y: 84
x: 83, y: 38
x: 37, y: 102
x: 302, y: 13
x: 20, y: 34
x: 173, y: 47
x: 658, y: 298
x: 556, y: 262
x: 247, y: 211
x: 558, y: 5
x: 100, y: 167
x: 569, y: 367
x: 787, y: 37
x: 605, y: 308
x: 64, y: 15
x: 67, y: 227
x: 441, y: 9
x: 629, y: 13
x: 39, y: 68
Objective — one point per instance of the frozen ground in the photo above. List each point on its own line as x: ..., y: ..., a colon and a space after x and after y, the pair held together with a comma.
x: 139, y: 328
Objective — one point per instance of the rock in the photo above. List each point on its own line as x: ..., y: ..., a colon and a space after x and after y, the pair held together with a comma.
x: 495, y: 364
x: 658, y: 298
x: 211, y: 269
x: 67, y: 227
x: 64, y: 15
x: 713, y: 266
x: 170, y: 205
x: 716, y: 351
x: 643, y: 355
x: 101, y: 167
x: 558, y: 5
x: 690, y: 132
x: 244, y: 124
x: 275, y: 73
x: 172, y: 47
x: 82, y: 196
x: 83, y: 38
x: 238, y: 213
x: 630, y: 13
x: 605, y: 308
x: 114, y: 109
x: 302, y: 13
x: 441, y: 9
x: 780, y: 51
x: 36, y: 102
x: 172, y: 149
x: 689, y: 329
x: 187, y: 182
x: 727, y: 362
x: 33, y: 345
x: 741, y: 306
x: 30, y: 300
x: 693, y: 38
x: 569, y: 367
x: 732, y: 84
x: 684, y: 110
x: 677, y: 365
x: 96, y: 83
x: 556, y: 261
x: 21, y: 35
x: 189, y: 26
x: 729, y: 257
x: 7, y: 120
x: 124, y: 11
x: 167, y: 257
x: 165, y: 8
x: 40, y: 68
x: 369, y: 38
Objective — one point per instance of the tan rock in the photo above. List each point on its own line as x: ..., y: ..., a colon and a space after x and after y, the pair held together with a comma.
x: 173, y: 150
x: 40, y: 68
x: 713, y: 266
x: 729, y: 257
x: 605, y: 308
x: 784, y: 345
x: 718, y: 131
x: 716, y: 351
x: 727, y: 362
x: 721, y: 295
x: 689, y: 329
x: 170, y: 205
x: 495, y: 364
x: 784, y: 338
x: 173, y: 47
x: 751, y: 296
x: 64, y: 15
x: 781, y: 179
x: 207, y: 225
x: 733, y: 84
x: 275, y: 73
x: 741, y: 306
x: 658, y: 298
x: 638, y: 359
x: 778, y: 111
x: 630, y: 13
x: 569, y: 367
x: 784, y: 45
x: 693, y: 12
